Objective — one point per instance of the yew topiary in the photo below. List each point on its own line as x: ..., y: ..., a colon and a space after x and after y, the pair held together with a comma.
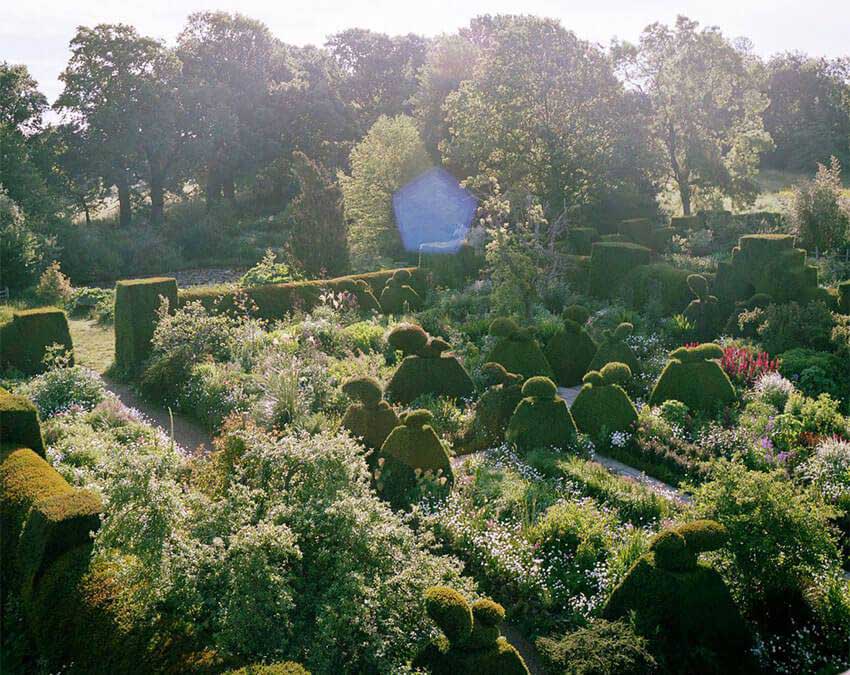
x: 542, y: 419
x: 704, y: 312
x: 398, y: 296
x: 571, y: 349
x: 615, y: 349
x: 517, y: 350
x: 25, y: 339
x: 694, y: 377
x: 19, y: 423
x: 494, y: 409
x: 136, y: 304
x: 602, y: 405
x: 370, y: 419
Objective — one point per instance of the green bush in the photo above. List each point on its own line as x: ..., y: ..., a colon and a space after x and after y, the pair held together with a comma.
x: 610, y: 262
x: 601, y: 648
x: 693, y: 377
x: 398, y: 295
x: 800, y: 365
x: 791, y: 325
x: 656, y: 285
x: 494, y: 409
x: 542, y: 419
x: 137, y: 302
x: 569, y: 352
x: 370, y: 419
x: 63, y: 387
x: 582, y: 238
x: 283, y: 668
x: 19, y: 422
x: 517, y: 350
x: 471, y: 641
x: 602, y: 406
x: 25, y: 340
x: 703, y: 312
x: 844, y: 297
x: 268, y: 271
x: 615, y: 349
x: 638, y: 230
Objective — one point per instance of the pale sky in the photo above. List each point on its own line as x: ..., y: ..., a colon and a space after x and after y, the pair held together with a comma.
x: 37, y: 32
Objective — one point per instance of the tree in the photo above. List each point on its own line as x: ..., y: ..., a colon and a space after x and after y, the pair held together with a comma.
x: 819, y: 213
x: 319, y: 237
x: 390, y: 155
x: 706, y: 108
x: 544, y: 114
x: 227, y: 62
x: 377, y: 72
x: 809, y: 111
x: 120, y: 88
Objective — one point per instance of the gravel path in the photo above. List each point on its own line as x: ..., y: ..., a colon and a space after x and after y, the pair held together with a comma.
x: 190, y: 435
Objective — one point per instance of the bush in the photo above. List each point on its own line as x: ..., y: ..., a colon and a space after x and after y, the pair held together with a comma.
x: 773, y: 389
x: 63, y: 387
x: 21, y: 249
x: 601, y: 648
x: 268, y: 271
x: 610, y: 262
x: 494, y: 409
x: 659, y: 285
x: 542, y: 419
x: 819, y: 214
x: 792, y: 325
x: 693, y: 377
x: 569, y: 352
x: 54, y: 288
x: 815, y: 372
x: 615, y: 349
x: 369, y: 419
x: 602, y: 406
x: 19, y: 422
x: 283, y: 668
x: 398, y: 295
x: 26, y: 340
x: 450, y: 611
x: 517, y: 350
x: 704, y: 312
x: 137, y: 303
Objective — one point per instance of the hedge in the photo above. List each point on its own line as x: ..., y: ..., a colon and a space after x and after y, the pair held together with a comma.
x: 638, y: 230
x: 370, y: 418
x: 602, y: 405
x: 610, y: 262
x: 24, y: 340
x: 542, y: 419
x: 276, y: 300
x: 582, y: 238
x: 19, y: 423
x: 657, y: 282
x: 844, y: 297
x: 570, y: 351
x: 694, y: 377
x: 136, y: 305
x: 517, y: 350
x: 452, y: 269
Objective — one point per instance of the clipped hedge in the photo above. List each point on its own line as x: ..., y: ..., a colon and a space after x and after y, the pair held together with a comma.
x: 19, y: 423
x: 494, y: 409
x: 517, y: 350
x: 638, y: 230
x: 582, y: 238
x: 570, y: 351
x: 615, y: 349
x: 844, y: 297
x: 657, y: 282
x: 370, y: 419
x: 542, y: 419
x: 276, y: 300
x: 610, y: 262
x: 136, y: 305
x: 24, y: 340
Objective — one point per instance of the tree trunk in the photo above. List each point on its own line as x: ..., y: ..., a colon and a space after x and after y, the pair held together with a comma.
x: 85, y: 206
x: 125, y: 209
x: 685, y: 194
x: 157, y: 197
x: 213, y: 188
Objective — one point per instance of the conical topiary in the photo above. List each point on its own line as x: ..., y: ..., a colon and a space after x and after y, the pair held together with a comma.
x: 471, y: 643
x: 681, y: 605
x: 494, y: 409
x: 370, y: 419
x: 398, y: 295
x: 614, y: 348
x: 704, y: 311
x: 542, y: 419
x: 517, y: 350
x: 426, y: 368
x: 602, y: 405
x: 571, y: 349
x: 412, y: 450
x: 694, y: 377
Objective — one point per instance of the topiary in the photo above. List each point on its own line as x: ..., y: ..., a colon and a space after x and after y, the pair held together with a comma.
x: 682, y: 606
x: 693, y: 376
x: 362, y: 292
x: 602, y: 405
x: 426, y: 368
x: 494, y: 409
x: 19, y: 422
x: 471, y: 643
x: 704, y: 311
x: 398, y: 296
x: 615, y: 349
x: 571, y: 349
x: 610, y: 262
x: 844, y: 297
x: 136, y: 304
x: 542, y: 419
x: 25, y: 339
x: 517, y: 350
x: 370, y: 419
x: 411, y: 450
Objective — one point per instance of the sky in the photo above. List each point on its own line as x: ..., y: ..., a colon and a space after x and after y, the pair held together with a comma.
x: 37, y: 32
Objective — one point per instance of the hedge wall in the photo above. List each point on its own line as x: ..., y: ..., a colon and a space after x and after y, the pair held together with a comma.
x: 275, y: 300
x: 610, y: 262
x: 24, y: 340
x: 136, y: 304
x: 19, y: 423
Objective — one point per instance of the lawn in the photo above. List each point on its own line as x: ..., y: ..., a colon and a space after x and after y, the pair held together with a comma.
x: 94, y: 344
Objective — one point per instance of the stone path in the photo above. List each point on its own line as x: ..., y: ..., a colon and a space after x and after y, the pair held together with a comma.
x: 189, y: 435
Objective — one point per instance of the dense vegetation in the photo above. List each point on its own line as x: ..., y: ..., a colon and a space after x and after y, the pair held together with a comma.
x: 610, y: 434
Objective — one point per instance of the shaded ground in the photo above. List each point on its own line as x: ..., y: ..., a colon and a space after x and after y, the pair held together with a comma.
x: 94, y: 344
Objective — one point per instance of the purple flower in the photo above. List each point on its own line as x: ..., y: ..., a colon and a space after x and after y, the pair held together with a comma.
x: 766, y: 443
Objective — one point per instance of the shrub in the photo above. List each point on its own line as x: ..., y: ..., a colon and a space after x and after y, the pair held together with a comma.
x: 615, y: 349
x: 19, y: 422
x: 693, y: 377
x: 282, y: 668
x: 704, y: 311
x: 63, y: 387
x: 570, y: 351
x: 792, y: 325
x: 601, y: 648
x: 54, y: 288
x: 25, y: 341
x: 370, y: 418
x: 21, y: 249
x: 494, y: 409
x: 542, y: 419
x: 658, y: 284
x: 773, y: 389
x: 582, y: 238
x: 517, y: 350
x: 801, y: 365
x: 610, y: 262
x: 844, y: 296
x: 450, y: 611
x: 818, y: 213
x: 137, y: 303
x: 602, y: 406
x: 675, y: 413
x: 268, y: 271
x: 398, y: 295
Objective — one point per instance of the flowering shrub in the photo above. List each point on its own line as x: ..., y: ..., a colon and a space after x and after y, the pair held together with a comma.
x: 773, y: 389
x: 269, y: 271
x: 63, y: 387
x: 828, y: 470
x: 745, y: 367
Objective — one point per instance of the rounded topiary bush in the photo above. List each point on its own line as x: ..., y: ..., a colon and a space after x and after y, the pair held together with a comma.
x: 398, y: 296
x: 494, y: 409
x: 603, y: 406
x: 25, y: 339
x: 19, y: 422
x: 542, y: 419
x: 517, y: 350
x: 704, y: 311
x: 367, y: 390
x: 614, y: 348
x: 693, y: 376
x: 370, y: 419
x: 450, y: 611
x: 571, y: 349
x: 672, y: 552
x: 408, y: 338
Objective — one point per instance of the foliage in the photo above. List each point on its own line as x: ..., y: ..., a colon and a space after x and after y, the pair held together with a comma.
x: 269, y: 270
x: 542, y: 419
x: 27, y: 341
x: 693, y: 377
x: 745, y: 367
x: 54, y: 288
x: 820, y: 215
x: 21, y: 249
x: 64, y: 386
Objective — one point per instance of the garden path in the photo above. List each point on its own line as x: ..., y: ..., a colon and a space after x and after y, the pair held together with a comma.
x: 189, y: 435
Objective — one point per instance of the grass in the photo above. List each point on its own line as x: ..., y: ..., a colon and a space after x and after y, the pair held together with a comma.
x: 94, y: 344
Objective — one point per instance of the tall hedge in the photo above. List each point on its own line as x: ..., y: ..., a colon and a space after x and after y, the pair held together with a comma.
x: 610, y: 262
x: 19, y: 423
x: 136, y: 304
x: 24, y: 340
